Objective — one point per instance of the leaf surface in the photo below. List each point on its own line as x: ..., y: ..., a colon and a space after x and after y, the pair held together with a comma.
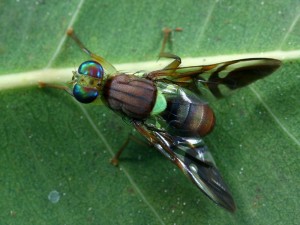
x: 51, y: 143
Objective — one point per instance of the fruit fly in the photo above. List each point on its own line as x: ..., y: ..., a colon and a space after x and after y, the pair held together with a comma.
x: 168, y: 106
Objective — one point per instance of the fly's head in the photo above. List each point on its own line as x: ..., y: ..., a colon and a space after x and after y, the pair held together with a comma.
x: 87, y: 81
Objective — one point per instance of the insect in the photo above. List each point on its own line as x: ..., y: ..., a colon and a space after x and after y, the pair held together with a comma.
x: 168, y: 107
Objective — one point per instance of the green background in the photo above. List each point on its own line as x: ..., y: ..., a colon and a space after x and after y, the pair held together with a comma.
x: 49, y: 142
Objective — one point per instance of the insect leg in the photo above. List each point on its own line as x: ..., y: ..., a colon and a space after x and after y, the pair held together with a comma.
x: 177, y: 60
x: 170, y: 69
x: 61, y: 87
x: 115, y: 160
x: 108, y: 66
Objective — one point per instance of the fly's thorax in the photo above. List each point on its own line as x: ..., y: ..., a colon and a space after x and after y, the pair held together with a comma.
x: 130, y: 95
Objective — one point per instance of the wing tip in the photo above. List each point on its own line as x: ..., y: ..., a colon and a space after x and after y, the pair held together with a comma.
x: 227, y: 204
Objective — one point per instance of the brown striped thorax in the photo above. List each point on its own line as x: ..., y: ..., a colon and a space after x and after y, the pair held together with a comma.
x: 169, y: 107
x: 130, y: 95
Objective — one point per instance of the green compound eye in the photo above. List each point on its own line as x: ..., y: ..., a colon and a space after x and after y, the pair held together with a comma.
x: 92, y: 69
x: 85, y: 94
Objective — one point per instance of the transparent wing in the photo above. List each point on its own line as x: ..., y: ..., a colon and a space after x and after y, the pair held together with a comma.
x: 193, y: 158
x: 220, y: 77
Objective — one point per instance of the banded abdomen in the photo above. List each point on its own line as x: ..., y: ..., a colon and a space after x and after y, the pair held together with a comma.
x: 188, y: 114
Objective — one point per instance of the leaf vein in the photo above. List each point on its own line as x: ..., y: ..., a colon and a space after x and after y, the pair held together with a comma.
x: 134, y: 185
x: 275, y: 117
x: 62, y: 41
x: 291, y: 28
x: 206, y: 21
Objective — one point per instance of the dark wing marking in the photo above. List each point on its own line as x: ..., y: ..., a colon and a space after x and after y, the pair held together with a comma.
x: 232, y: 74
x: 194, y: 160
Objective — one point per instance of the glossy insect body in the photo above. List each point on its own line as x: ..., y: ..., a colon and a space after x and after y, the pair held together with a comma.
x: 139, y: 98
x: 166, y: 107
x: 130, y: 95
x: 186, y: 112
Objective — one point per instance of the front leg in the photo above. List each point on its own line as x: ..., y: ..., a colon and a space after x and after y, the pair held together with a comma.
x: 56, y: 86
x: 108, y: 66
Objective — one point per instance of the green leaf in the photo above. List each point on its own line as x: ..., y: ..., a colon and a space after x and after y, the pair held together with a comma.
x: 51, y: 143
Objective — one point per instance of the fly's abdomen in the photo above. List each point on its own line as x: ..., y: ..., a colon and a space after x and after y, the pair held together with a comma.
x: 188, y: 114
x: 130, y: 95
